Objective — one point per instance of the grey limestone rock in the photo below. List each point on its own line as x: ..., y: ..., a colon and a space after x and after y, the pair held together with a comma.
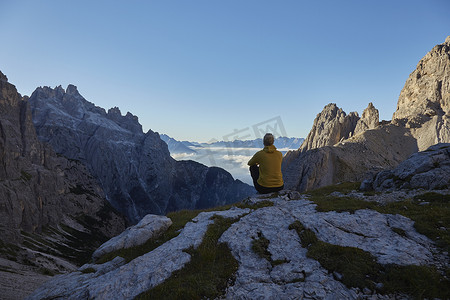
x: 39, y: 188
x: 329, y: 127
x: 296, y: 277
x: 134, y: 169
x: 149, y: 227
x: 369, y: 119
x: 424, y: 102
x: 301, y: 277
x: 354, y: 159
x: 335, y: 152
x: 126, y: 281
x: 429, y: 169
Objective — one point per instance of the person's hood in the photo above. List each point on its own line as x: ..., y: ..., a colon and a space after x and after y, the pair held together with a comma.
x: 269, y: 149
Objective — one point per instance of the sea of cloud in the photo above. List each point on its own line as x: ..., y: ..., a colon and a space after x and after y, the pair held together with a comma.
x: 232, y: 159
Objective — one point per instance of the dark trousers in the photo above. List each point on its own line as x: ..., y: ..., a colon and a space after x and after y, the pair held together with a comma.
x: 254, y: 172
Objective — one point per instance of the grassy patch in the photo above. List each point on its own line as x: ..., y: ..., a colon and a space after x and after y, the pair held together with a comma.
x: 360, y: 269
x: 88, y: 270
x: 430, y: 211
x: 419, y: 281
x: 179, y: 220
x: 345, y: 188
x: 25, y: 176
x: 260, y: 246
x: 431, y: 220
x: 341, y: 204
x: 206, y: 276
x: 307, y: 236
x: 326, y: 202
x: 399, y: 231
x: 433, y: 197
x: 257, y: 205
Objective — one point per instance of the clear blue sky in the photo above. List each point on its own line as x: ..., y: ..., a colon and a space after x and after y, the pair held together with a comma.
x: 196, y: 70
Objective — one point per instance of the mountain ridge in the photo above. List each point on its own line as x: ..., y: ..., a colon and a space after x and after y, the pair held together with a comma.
x: 343, y: 147
x: 134, y: 168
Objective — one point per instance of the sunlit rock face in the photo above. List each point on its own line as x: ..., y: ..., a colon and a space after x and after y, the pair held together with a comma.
x: 424, y: 102
x: 330, y: 126
x: 134, y: 168
x: 344, y: 147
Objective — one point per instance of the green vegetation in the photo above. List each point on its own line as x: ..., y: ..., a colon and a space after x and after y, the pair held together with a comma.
x: 307, y: 236
x: 326, y: 202
x: 429, y: 211
x: 179, y: 220
x: 257, y: 205
x: 25, y: 176
x: 344, y: 188
x: 431, y: 220
x: 88, y: 270
x: 399, y: 231
x: 360, y: 269
x: 260, y: 246
x: 206, y: 276
x: 341, y: 204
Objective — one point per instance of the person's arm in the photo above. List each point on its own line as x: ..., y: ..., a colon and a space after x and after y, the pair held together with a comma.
x: 253, y: 160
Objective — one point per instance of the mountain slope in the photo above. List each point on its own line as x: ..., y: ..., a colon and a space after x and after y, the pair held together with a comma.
x: 52, y: 212
x: 134, y: 169
x: 344, y: 147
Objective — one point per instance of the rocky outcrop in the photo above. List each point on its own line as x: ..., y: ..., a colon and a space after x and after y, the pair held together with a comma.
x: 134, y: 169
x: 294, y: 275
x: 424, y: 102
x: 38, y: 188
x: 117, y: 280
x: 369, y: 120
x: 330, y: 127
x: 428, y: 169
x: 354, y: 159
x: 332, y: 154
x: 53, y: 214
x: 150, y: 227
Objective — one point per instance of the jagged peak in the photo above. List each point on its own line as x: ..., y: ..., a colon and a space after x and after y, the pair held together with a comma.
x: 114, y: 111
x: 72, y: 90
x: 425, y: 93
x: 132, y: 117
x: 3, y: 77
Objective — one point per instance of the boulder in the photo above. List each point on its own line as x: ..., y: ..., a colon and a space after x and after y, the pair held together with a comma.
x: 429, y: 169
x: 151, y: 226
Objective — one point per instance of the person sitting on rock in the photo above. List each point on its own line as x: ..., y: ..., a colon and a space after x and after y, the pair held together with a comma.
x: 265, y: 167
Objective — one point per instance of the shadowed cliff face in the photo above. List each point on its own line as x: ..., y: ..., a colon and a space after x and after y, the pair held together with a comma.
x: 134, y: 169
x: 344, y: 147
x: 39, y: 189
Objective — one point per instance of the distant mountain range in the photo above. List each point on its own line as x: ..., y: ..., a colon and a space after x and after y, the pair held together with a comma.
x: 177, y: 147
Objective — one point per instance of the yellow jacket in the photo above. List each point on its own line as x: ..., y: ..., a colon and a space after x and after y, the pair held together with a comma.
x: 269, y: 161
